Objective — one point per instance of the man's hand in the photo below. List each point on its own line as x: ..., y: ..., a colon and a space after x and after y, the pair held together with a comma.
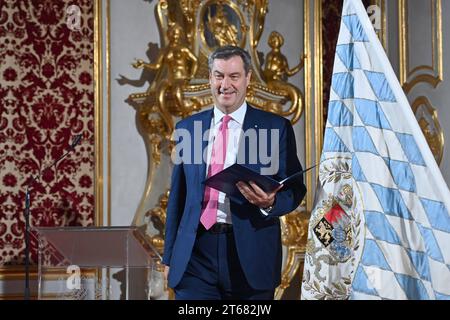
x: 255, y: 195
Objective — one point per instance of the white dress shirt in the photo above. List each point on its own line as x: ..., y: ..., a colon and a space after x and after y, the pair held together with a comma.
x: 234, y: 132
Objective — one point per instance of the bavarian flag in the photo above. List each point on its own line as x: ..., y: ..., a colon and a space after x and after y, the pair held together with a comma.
x: 380, y: 227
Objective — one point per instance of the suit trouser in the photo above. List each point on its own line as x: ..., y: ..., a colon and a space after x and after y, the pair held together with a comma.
x: 214, y: 271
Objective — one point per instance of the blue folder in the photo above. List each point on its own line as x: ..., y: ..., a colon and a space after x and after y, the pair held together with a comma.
x: 226, y: 180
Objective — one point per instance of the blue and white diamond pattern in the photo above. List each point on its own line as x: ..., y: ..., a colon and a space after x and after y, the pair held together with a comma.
x: 406, y: 253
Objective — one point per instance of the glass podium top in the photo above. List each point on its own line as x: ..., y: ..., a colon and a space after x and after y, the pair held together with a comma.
x: 97, y: 246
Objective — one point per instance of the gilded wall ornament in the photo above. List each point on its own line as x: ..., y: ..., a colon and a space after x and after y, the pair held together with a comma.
x: 428, y: 120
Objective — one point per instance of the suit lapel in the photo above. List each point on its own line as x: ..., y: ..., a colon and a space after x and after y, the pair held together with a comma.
x: 206, y: 124
x: 249, y: 119
x: 249, y: 123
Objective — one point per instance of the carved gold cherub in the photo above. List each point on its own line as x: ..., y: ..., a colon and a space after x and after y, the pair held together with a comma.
x: 181, y: 66
x: 277, y: 71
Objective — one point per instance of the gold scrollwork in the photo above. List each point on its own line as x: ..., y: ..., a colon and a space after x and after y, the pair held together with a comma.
x: 427, y: 117
x: 294, y: 233
x: 431, y: 74
x: 158, y: 217
x: 176, y: 58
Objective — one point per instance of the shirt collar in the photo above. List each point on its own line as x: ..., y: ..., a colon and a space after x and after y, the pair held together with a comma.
x: 237, y: 115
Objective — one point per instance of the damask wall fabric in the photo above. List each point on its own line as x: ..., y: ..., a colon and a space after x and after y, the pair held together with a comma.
x: 46, y: 97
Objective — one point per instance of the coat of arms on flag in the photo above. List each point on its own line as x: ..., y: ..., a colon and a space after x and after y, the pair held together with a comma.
x: 380, y: 227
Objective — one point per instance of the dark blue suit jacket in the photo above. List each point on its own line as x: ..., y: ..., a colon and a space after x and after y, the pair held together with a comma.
x: 258, y: 237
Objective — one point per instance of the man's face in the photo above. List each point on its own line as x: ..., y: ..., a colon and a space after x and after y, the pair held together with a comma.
x: 228, y: 83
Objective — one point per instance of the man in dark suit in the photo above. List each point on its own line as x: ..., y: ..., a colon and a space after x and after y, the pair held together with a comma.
x: 215, y: 247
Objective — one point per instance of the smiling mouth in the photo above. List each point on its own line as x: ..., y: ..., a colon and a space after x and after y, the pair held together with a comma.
x: 226, y: 93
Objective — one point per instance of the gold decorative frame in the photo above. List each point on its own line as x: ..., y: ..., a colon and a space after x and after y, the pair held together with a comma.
x: 433, y: 74
x: 429, y: 123
x: 294, y: 226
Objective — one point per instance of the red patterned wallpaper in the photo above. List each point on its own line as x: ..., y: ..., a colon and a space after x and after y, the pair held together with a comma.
x: 46, y: 97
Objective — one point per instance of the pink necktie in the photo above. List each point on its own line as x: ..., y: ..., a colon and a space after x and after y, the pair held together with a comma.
x: 218, y: 154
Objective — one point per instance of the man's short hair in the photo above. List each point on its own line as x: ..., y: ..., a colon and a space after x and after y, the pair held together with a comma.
x: 227, y: 52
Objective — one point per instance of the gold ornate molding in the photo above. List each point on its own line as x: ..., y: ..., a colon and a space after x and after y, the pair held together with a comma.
x: 217, y: 22
x: 431, y: 74
x: 294, y: 233
x: 98, y: 112
x: 158, y: 217
x: 428, y: 120
x: 317, y: 111
x: 309, y: 108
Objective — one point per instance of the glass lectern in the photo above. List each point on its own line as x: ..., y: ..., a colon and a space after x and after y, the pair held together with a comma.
x: 98, y: 263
